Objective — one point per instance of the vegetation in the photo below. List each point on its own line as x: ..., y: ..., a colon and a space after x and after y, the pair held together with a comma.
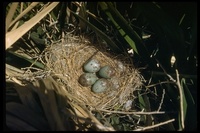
x: 159, y: 37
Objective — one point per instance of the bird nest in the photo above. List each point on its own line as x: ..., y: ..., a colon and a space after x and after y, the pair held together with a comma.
x: 73, y: 103
x: 65, y: 61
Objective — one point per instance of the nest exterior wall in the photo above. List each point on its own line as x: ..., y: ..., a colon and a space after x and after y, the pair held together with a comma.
x: 65, y: 60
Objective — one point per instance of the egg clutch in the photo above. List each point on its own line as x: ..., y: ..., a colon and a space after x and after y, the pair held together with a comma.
x: 96, y: 76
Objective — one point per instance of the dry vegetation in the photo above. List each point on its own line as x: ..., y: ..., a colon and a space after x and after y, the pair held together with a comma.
x: 45, y: 95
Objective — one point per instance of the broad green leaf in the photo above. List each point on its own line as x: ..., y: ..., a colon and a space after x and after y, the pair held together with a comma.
x: 36, y: 63
x: 124, y: 24
x: 121, y: 31
x: 187, y: 92
x: 141, y: 101
x: 62, y: 15
x: 190, y: 112
x: 145, y: 104
x: 100, y: 33
x: 184, y: 106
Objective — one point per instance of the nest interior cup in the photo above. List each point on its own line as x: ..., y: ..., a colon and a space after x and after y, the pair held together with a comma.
x: 67, y: 60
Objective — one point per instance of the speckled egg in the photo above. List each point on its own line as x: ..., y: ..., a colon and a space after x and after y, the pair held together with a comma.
x: 107, y: 72
x: 100, y: 85
x: 92, y: 65
x: 121, y: 67
x: 115, y: 83
x: 87, y: 79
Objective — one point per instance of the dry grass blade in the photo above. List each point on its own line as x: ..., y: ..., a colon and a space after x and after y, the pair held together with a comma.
x: 11, y: 12
x: 13, y: 71
x: 13, y: 36
x: 157, y: 125
x: 27, y: 97
x: 58, y: 99
x: 182, y: 111
x: 81, y: 113
x: 74, y: 112
x: 45, y: 89
x: 32, y: 119
x: 23, y: 13
x: 99, y: 125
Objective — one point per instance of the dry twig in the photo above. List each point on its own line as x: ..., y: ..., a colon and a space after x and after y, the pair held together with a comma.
x: 153, y: 126
x: 181, y: 98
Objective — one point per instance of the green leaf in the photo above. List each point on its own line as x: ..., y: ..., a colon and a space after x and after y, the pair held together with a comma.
x: 62, y: 15
x: 100, y: 33
x: 104, y: 6
x: 40, y: 31
x: 145, y: 104
x: 126, y: 31
x: 115, y: 120
x: 141, y: 101
x: 184, y: 106
x: 36, y: 63
x: 187, y: 92
x: 190, y: 111
x: 36, y: 38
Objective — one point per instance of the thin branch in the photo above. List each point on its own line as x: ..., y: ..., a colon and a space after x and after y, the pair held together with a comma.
x: 136, y: 113
x: 181, y: 98
x: 157, y: 73
x: 161, y: 102
x: 164, y: 82
x: 180, y: 91
x: 170, y: 77
x: 153, y: 126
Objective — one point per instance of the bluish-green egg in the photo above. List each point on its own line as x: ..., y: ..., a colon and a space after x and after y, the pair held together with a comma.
x: 100, y: 85
x: 87, y: 79
x: 92, y: 65
x: 107, y: 72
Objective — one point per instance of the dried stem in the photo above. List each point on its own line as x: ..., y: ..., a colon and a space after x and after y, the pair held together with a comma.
x: 153, y: 126
x: 161, y: 102
x: 181, y: 98
x: 136, y: 113
x: 164, y: 82
x: 180, y: 91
